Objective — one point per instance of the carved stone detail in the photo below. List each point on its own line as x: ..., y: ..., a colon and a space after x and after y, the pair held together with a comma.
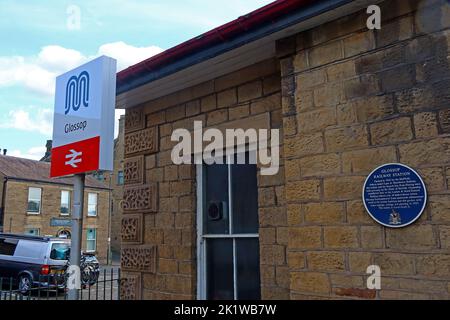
x: 133, y: 170
x: 139, y: 258
x: 140, y: 198
x: 132, y: 229
x: 134, y: 120
x: 130, y: 287
x: 142, y: 141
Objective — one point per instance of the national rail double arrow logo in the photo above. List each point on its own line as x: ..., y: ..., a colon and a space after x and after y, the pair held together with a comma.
x: 73, y: 158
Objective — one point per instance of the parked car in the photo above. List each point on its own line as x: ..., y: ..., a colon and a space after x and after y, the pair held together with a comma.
x: 33, y: 261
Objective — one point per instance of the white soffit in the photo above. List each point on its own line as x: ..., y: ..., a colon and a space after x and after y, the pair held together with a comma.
x: 233, y: 60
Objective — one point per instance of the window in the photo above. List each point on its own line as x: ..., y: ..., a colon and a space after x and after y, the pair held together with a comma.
x: 91, y: 243
x: 65, y: 203
x: 92, y: 204
x: 99, y: 176
x: 32, y: 231
x: 120, y: 178
x: 60, y: 251
x: 228, y: 232
x: 34, y: 200
x: 8, y: 246
x: 64, y: 233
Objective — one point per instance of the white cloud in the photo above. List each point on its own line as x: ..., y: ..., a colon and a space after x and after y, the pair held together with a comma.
x: 127, y: 55
x: 59, y: 59
x: 34, y: 153
x: 38, y: 73
x: 17, y: 70
x: 30, y: 119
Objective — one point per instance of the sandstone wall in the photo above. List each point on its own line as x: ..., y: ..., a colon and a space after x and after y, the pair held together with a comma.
x: 354, y: 99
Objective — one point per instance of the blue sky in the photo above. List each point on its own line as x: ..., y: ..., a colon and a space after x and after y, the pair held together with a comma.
x: 42, y: 39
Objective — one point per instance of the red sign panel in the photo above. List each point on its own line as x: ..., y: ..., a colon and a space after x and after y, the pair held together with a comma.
x: 78, y: 157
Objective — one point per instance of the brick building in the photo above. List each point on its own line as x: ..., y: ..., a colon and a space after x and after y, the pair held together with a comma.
x: 33, y: 203
x: 346, y: 99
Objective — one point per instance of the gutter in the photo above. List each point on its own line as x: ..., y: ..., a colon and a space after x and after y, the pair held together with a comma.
x: 53, y: 183
x: 269, y: 19
x: 2, y: 208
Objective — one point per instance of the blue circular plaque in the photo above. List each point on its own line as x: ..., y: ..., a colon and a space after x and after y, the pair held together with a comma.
x: 394, y: 195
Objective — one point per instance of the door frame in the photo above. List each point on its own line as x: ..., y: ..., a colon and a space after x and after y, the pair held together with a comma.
x: 201, y: 237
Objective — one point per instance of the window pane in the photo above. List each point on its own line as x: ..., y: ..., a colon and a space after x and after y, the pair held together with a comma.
x: 216, y: 195
x: 34, y: 200
x: 91, y: 240
x: 120, y: 177
x: 34, y: 194
x: 244, y: 197
x: 91, y: 234
x: 247, y: 260
x: 33, y: 206
x: 92, y: 198
x: 60, y: 251
x: 65, y: 202
x: 33, y: 232
x: 90, y: 245
x: 8, y: 246
x: 92, y: 210
x: 219, y: 282
x: 92, y: 204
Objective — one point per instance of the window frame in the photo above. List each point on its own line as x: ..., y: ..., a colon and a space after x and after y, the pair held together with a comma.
x: 40, y: 201
x: 120, y: 178
x: 202, y: 237
x: 60, y: 203
x: 95, y: 239
x: 28, y: 229
x: 96, y: 204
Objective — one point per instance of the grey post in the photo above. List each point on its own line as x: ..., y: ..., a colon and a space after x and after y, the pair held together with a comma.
x: 77, y: 226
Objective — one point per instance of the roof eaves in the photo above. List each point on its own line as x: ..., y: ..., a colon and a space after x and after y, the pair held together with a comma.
x: 232, y: 35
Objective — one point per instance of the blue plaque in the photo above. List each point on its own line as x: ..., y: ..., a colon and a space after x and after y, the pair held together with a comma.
x: 394, y: 195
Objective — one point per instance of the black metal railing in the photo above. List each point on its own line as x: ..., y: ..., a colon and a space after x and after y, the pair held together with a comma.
x: 55, y: 287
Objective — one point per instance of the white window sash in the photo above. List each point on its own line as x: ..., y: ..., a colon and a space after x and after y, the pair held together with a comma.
x: 94, y: 241
x: 68, y: 204
x: 39, y: 200
x: 93, y: 205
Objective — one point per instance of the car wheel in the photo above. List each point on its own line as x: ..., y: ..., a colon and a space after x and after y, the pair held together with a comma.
x: 25, y: 284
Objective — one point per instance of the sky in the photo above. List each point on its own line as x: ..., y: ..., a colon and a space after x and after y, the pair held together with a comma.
x: 40, y: 40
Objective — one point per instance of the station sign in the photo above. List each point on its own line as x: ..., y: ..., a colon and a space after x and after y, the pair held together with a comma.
x: 60, y: 222
x: 83, y: 121
x: 394, y: 195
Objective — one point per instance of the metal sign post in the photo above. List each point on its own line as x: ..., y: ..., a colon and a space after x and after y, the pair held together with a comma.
x: 77, y: 228
x: 83, y: 139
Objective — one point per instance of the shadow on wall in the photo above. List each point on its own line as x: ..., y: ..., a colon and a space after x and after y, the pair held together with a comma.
x: 421, y: 77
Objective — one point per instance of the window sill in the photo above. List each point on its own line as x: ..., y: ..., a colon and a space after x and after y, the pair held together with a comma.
x: 33, y: 213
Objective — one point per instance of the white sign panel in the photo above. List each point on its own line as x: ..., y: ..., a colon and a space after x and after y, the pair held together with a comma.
x: 83, y: 126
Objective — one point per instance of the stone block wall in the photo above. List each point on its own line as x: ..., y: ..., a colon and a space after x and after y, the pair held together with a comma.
x: 159, y: 218
x: 354, y: 99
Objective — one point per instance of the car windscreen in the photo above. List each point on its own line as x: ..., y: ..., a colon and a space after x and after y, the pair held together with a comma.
x: 60, y: 251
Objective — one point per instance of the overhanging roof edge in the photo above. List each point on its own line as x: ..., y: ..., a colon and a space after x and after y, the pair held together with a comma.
x: 313, y: 9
